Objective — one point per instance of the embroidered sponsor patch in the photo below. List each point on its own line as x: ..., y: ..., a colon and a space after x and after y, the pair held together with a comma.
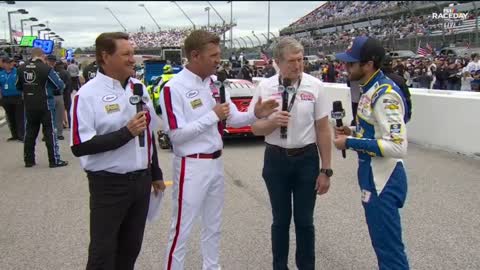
x: 390, y: 101
x: 111, y: 108
x: 392, y: 107
x: 192, y: 93
x: 366, y: 195
x: 196, y: 103
x: 307, y: 96
x: 109, y: 98
x: 395, y: 128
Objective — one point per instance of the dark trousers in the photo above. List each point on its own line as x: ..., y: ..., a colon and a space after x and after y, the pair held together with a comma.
x: 67, y: 101
x: 287, y: 176
x: 118, y: 212
x: 15, y: 115
x: 75, y: 83
x: 33, y: 120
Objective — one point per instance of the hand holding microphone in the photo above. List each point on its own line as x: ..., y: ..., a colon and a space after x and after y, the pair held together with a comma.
x: 338, y: 113
x: 138, y: 124
x: 139, y: 121
x: 286, y: 83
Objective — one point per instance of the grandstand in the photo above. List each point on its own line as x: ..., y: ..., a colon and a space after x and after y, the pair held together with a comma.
x: 400, y: 25
x: 172, y: 37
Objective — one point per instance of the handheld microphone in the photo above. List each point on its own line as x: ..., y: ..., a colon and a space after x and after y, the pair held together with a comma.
x: 137, y: 100
x: 286, y: 83
x: 222, y: 76
x: 338, y: 113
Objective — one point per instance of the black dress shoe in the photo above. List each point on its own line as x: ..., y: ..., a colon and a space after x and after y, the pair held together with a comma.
x: 30, y: 164
x: 12, y: 139
x: 60, y: 163
x: 61, y: 138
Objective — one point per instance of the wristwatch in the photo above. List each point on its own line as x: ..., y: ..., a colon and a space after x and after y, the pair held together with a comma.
x: 327, y: 172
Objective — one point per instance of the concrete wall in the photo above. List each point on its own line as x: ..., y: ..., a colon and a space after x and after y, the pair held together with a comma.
x: 447, y: 120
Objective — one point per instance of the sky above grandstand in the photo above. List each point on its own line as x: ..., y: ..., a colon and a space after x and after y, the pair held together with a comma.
x: 79, y: 23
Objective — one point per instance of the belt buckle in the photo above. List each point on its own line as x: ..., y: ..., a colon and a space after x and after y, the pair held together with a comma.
x: 294, y: 152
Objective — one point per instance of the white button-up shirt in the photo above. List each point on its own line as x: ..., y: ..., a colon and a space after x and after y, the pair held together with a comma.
x: 310, y: 105
x: 102, y: 106
x: 187, y: 104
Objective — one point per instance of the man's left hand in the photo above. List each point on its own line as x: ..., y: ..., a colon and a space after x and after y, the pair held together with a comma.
x: 264, y: 109
x: 340, y: 142
x: 158, y: 185
x: 323, y: 184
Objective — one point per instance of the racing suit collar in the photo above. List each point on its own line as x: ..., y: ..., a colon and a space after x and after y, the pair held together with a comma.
x: 194, y: 77
x: 371, y: 81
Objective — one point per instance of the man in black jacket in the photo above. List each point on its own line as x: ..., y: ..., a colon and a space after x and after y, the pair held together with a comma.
x: 38, y: 82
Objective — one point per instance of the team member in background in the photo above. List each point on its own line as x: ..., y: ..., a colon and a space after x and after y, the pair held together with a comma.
x: 12, y: 100
x: 193, y: 122
x: 105, y: 135
x: 58, y: 96
x: 292, y: 165
x: 380, y: 139
x: 38, y: 82
x: 90, y: 71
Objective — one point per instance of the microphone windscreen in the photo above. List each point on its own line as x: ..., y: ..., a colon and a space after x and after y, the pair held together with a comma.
x: 337, y: 106
x: 222, y: 76
x: 138, y: 89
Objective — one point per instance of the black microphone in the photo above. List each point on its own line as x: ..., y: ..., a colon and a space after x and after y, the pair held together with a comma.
x: 338, y: 113
x: 222, y: 76
x: 137, y: 100
x: 286, y: 83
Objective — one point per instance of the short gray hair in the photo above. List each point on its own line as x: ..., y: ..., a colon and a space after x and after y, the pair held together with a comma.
x: 287, y: 44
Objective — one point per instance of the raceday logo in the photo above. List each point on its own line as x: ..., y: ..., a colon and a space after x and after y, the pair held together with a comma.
x: 451, y: 16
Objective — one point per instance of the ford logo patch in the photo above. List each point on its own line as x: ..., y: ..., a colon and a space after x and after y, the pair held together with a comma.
x: 192, y: 93
x: 109, y: 98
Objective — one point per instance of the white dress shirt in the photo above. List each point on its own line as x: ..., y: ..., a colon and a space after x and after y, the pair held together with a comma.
x: 310, y: 105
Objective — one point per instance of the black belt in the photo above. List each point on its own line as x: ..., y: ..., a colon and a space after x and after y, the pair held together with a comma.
x: 292, y: 151
x: 213, y: 155
x: 129, y: 175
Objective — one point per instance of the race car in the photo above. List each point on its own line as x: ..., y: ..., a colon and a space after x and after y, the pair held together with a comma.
x: 241, y: 93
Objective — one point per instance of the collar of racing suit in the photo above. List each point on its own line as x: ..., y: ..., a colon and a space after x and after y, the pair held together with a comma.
x: 371, y: 81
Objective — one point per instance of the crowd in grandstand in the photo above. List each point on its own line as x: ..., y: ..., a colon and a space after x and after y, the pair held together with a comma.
x: 337, y: 10
x: 404, y: 27
x: 173, y: 37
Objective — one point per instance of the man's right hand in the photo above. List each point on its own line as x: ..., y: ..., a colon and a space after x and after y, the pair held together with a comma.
x: 343, y: 131
x: 280, y: 118
x: 137, y: 124
x: 222, y: 111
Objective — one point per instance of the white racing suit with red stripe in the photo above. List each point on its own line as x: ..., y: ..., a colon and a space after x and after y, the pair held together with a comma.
x: 380, y: 139
x: 187, y: 103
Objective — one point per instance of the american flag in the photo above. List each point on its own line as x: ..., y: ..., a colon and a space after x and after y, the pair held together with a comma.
x: 424, y: 51
x: 17, y: 36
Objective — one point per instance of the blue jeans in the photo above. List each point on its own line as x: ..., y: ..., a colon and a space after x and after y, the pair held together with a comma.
x: 286, y: 176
